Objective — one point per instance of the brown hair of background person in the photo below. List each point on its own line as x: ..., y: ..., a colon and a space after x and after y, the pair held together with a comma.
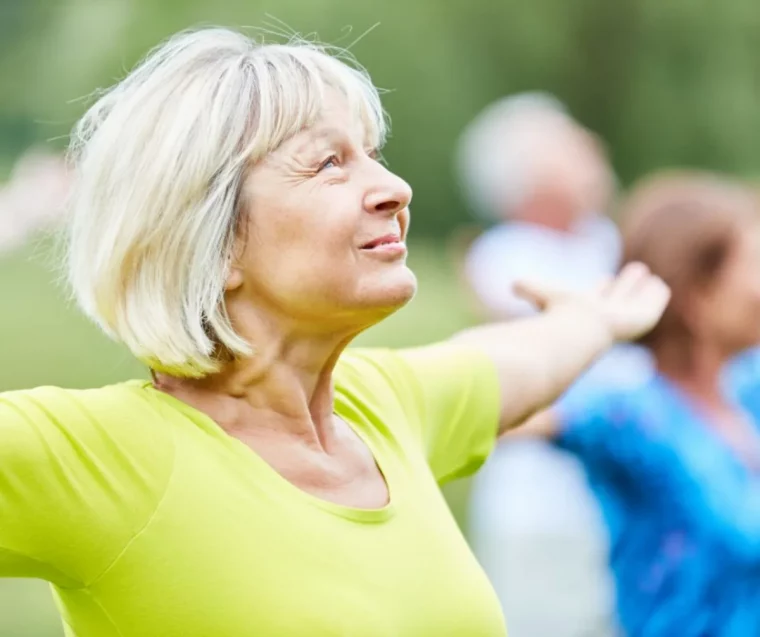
x: 689, y: 227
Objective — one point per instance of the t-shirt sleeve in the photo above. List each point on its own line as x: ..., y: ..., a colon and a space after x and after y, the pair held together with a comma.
x: 449, y: 396
x: 609, y: 432
x: 620, y: 432
x: 632, y: 449
x: 79, y: 474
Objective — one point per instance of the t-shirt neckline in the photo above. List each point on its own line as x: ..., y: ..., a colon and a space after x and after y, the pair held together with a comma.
x: 344, y: 410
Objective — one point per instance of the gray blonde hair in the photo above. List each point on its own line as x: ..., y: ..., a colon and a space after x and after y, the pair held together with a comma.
x: 498, y: 151
x: 159, y: 162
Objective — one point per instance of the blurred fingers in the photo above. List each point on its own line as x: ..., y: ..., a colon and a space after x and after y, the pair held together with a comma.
x: 605, y: 286
x: 656, y: 294
x: 536, y: 294
x: 631, y: 280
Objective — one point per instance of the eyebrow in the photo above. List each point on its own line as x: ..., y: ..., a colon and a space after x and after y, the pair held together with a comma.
x: 327, y: 133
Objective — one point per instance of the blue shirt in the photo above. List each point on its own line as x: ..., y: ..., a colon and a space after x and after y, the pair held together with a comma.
x: 683, y: 512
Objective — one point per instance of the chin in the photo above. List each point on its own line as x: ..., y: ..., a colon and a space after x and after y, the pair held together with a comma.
x: 390, y: 293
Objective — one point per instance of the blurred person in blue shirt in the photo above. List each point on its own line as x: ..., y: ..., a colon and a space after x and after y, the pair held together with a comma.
x: 674, y: 460
x: 545, y: 182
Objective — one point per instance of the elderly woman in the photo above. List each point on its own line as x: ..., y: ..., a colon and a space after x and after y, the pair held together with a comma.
x: 675, y: 459
x: 233, y: 227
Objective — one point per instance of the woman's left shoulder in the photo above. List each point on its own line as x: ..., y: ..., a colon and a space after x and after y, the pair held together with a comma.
x: 370, y: 375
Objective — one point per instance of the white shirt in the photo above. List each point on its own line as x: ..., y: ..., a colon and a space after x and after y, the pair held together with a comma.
x: 534, y: 524
x: 516, y: 250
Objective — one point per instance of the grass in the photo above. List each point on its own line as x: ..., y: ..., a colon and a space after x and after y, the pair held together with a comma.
x: 46, y: 341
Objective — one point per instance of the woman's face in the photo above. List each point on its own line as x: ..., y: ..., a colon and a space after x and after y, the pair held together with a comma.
x: 324, y: 243
x: 729, y: 311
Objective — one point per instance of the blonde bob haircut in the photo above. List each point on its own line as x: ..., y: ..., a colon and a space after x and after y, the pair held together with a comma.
x: 159, y: 162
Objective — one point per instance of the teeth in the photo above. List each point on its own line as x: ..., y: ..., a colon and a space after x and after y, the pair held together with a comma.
x: 384, y: 242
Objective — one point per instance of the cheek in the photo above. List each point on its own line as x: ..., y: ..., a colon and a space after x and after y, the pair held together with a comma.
x: 305, y: 265
x: 404, y: 218
x: 300, y: 267
x: 302, y: 236
x: 747, y: 291
x: 752, y: 317
x: 739, y: 312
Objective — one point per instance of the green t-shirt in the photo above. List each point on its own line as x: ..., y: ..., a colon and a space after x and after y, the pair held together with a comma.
x: 149, y: 520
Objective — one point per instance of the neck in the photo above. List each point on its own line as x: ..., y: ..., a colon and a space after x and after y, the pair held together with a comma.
x: 284, y: 387
x: 698, y: 375
x: 546, y: 216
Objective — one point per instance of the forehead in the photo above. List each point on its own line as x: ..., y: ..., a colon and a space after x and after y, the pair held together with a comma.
x: 336, y: 122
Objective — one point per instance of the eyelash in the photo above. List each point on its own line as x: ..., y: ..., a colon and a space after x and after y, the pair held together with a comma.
x: 332, y: 159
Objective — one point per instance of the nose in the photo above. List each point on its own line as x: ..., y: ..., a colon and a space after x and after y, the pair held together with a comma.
x: 390, y: 196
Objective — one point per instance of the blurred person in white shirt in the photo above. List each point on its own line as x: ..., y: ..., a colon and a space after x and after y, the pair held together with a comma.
x: 546, y: 182
x: 525, y: 164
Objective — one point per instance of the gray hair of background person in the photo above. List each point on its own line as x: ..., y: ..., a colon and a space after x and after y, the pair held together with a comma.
x: 498, y: 151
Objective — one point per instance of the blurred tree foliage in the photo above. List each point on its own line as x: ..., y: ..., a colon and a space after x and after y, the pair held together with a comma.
x: 664, y: 83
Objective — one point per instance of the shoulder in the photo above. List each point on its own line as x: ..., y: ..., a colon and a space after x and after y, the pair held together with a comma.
x: 602, y: 239
x: 599, y: 225
x: 378, y: 389
x: 372, y: 375
x: 506, y: 253
x: 80, y: 473
x: 52, y: 397
x: 592, y: 394
x: 111, y: 404
x: 119, y: 421
x: 506, y: 240
x: 425, y: 382
x: 624, y: 369
x: 627, y: 411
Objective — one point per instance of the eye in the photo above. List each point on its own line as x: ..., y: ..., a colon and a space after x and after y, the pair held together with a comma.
x: 330, y: 162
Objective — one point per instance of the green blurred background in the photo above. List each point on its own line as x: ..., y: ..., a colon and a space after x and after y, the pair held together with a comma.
x: 663, y: 83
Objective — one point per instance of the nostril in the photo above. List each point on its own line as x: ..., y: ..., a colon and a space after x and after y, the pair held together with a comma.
x: 388, y: 206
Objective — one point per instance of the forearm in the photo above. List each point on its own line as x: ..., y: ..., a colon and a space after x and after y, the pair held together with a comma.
x: 538, y: 358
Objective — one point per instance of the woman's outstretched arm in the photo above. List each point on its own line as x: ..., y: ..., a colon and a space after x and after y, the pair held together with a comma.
x: 538, y: 358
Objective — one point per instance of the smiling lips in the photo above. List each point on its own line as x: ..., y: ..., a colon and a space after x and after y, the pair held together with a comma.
x: 389, y: 245
x: 380, y: 241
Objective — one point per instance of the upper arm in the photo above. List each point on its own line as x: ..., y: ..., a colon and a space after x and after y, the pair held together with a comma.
x: 24, y: 459
x: 75, y: 482
x: 449, y: 396
x: 608, y: 430
x: 622, y: 448
x: 591, y: 425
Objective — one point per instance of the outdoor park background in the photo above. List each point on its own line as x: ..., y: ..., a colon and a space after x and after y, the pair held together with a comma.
x: 663, y: 83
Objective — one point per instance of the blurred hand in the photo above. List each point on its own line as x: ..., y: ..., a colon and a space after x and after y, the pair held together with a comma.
x: 629, y: 305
